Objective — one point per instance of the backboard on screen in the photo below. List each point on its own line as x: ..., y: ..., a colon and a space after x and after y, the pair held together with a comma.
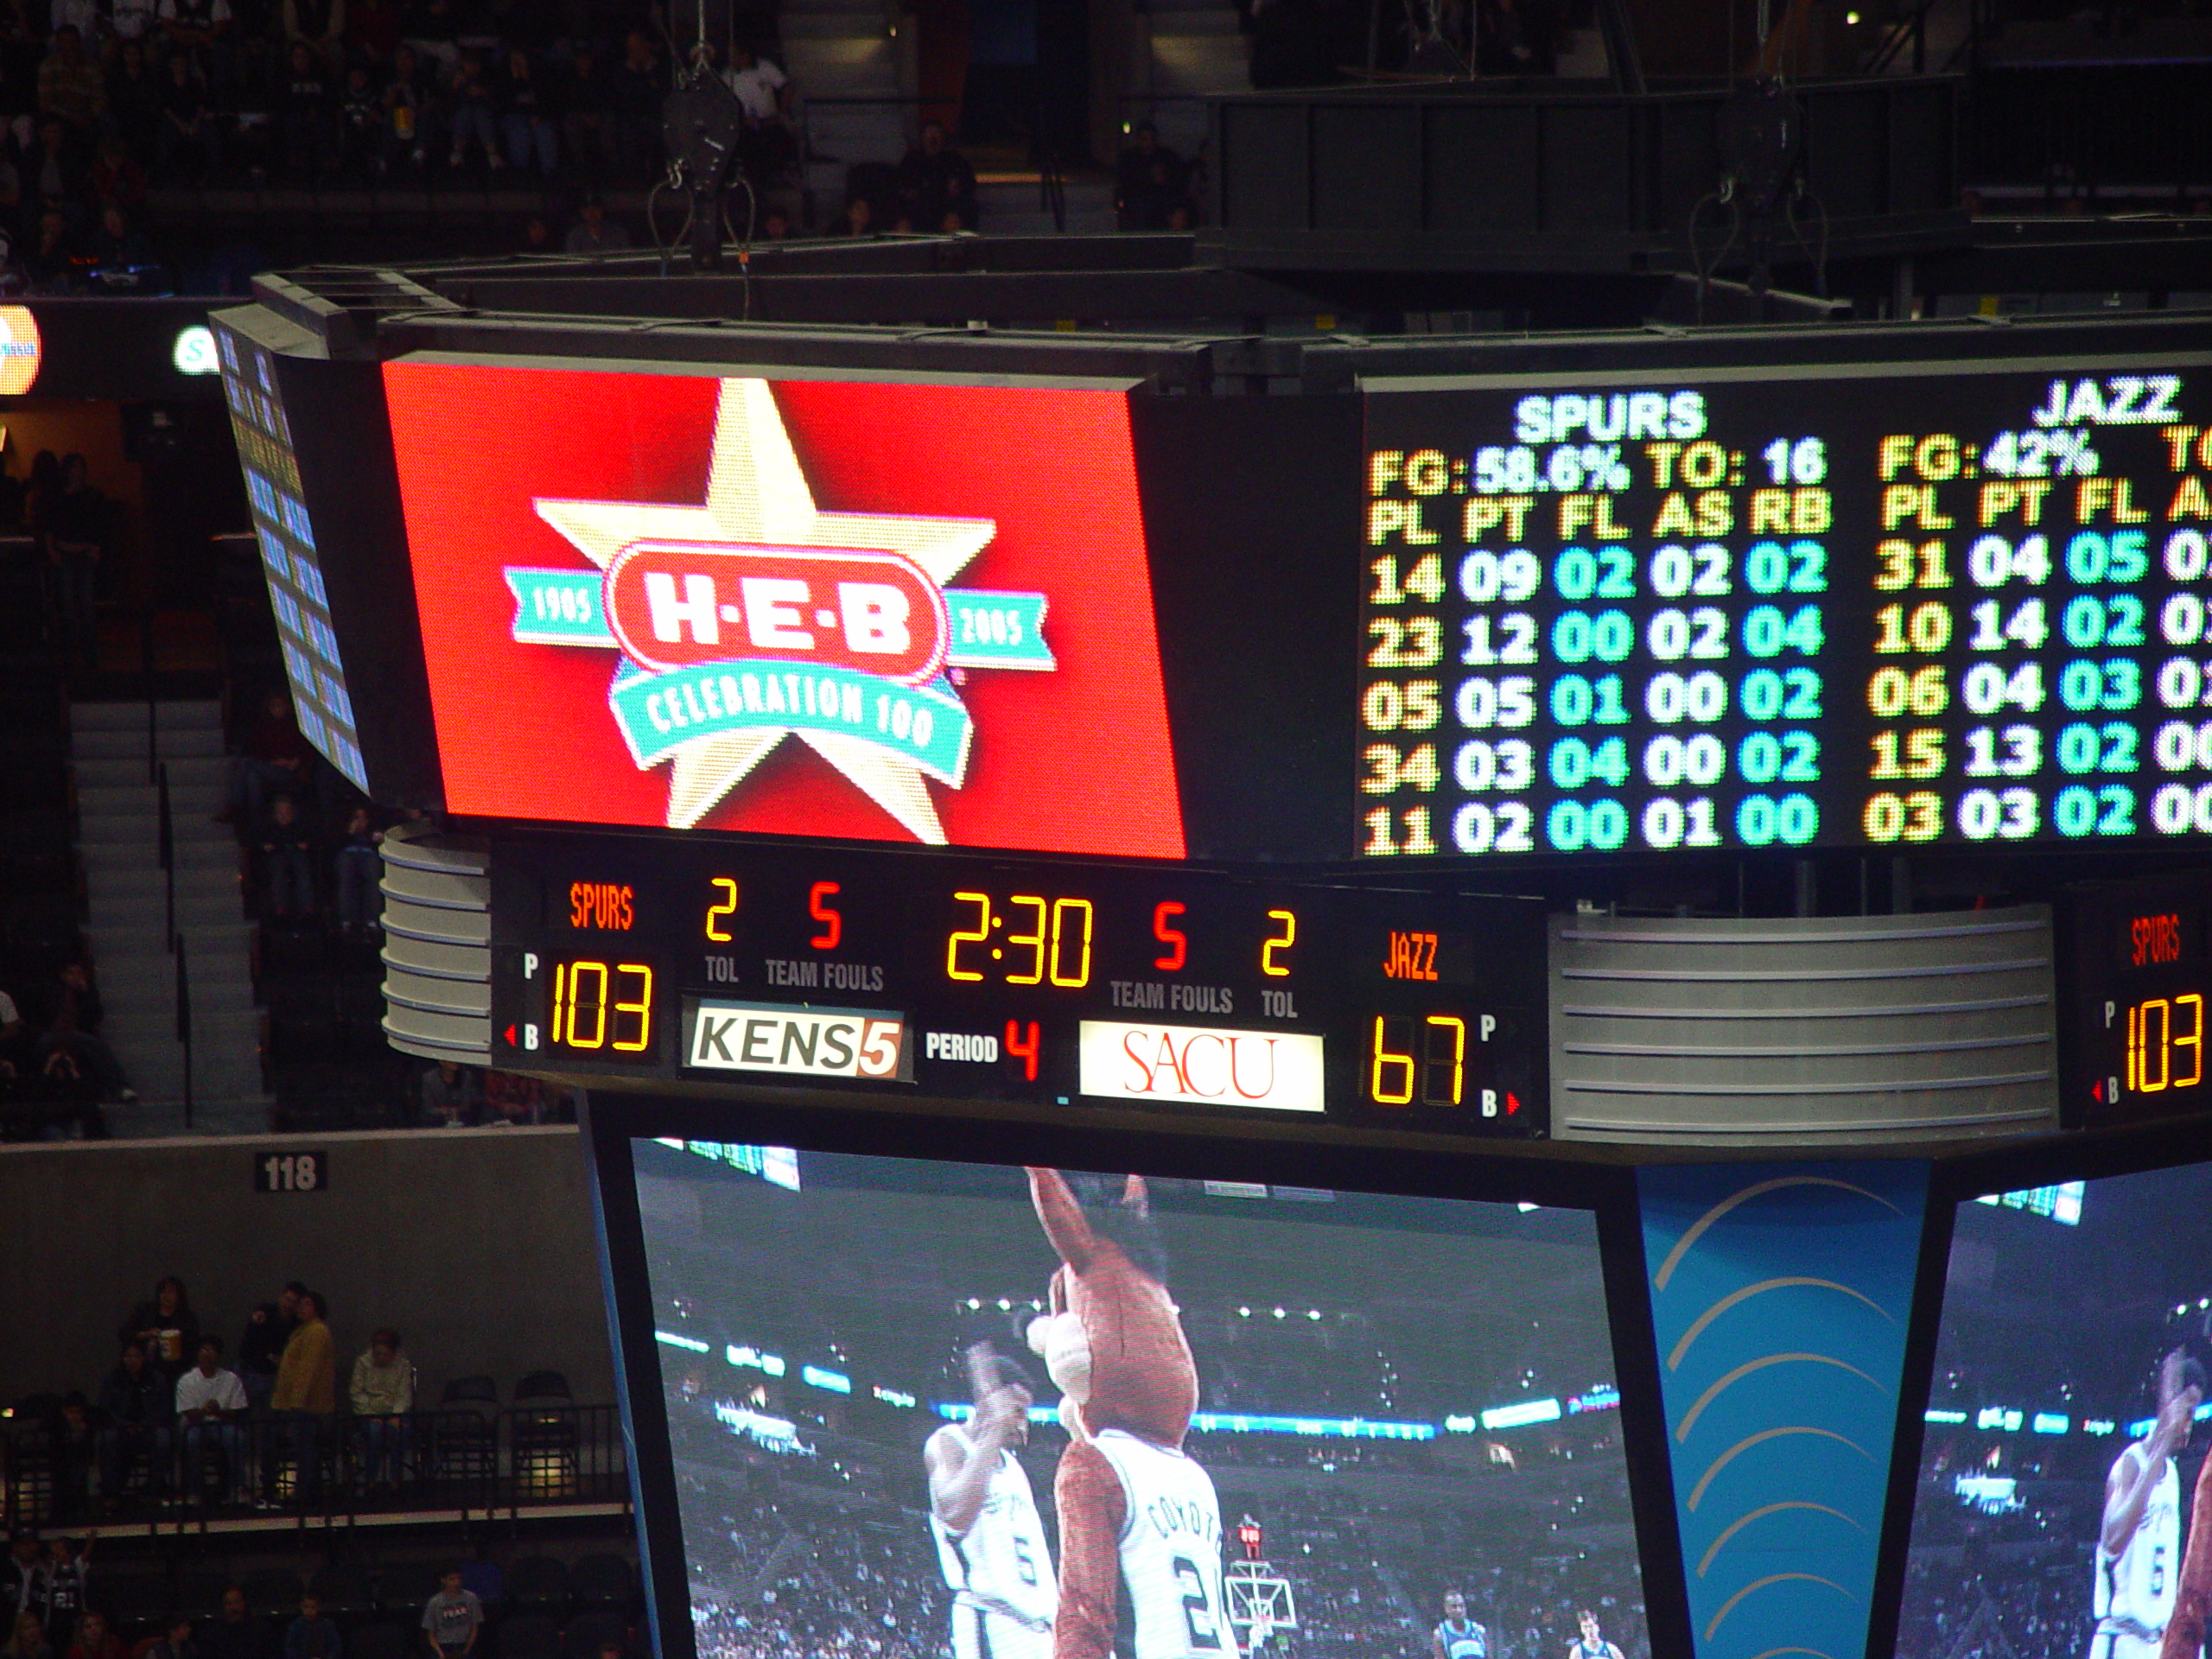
x: 2060, y: 1507
x: 1224, y: 1418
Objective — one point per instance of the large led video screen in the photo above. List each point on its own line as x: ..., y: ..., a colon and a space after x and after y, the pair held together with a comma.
x: 903, y: 611
x: 2063, y: 1504
x: 925, y: 1410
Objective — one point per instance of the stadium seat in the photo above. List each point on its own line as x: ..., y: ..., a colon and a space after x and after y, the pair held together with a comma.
x: 602, y: 1581
x: 539, y: 1584
x: 201, y: 1593
x: 588, y: 1632
x: 545, y: 1436
x: 273, y: 1592
x: 528, y: 1635
x: 484, y: 1579
x: 464, y: 1435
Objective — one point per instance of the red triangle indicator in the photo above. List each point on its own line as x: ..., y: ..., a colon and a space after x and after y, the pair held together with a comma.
x: 510, y: 1036
x: 2097, y: 1092
x: 1512, y: 1102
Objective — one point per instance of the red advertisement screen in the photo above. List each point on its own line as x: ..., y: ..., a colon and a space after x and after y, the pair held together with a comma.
x: 898, y: 613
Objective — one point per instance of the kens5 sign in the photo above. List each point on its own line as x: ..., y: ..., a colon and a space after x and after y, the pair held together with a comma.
x: 769, y: 600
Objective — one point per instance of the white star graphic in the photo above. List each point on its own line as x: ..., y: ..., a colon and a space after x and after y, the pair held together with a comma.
x: 757, y: 494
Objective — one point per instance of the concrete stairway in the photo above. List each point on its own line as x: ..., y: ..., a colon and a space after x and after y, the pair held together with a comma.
x: 835, y: 52
x: 1195, y: 48
x: 118, y: 845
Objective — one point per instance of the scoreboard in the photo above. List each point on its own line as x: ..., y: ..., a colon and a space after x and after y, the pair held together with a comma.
x: 2140, y: 979
x: 1875, y: 607
x: 1060, y: 985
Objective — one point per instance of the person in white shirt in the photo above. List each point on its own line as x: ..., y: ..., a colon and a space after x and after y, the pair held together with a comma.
x: 211, y: 1403
x: 758, y: 83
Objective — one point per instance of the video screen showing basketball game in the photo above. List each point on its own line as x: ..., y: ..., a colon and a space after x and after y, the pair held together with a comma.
x: 2064, y: 1500
x: 926, y: 1410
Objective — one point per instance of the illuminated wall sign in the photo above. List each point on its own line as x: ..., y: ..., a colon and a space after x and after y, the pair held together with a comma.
x: 194, y: 351
x: 916, y: 613
x: 1201, y: 1066
x: 801, y: 1041
x: 19, y: 350
x: 1873, y: 609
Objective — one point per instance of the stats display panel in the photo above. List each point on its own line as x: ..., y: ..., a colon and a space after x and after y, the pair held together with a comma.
x: 2136, y: 980
x: 1056, y: 984
x: 2062, y: 1506
x: 1877, y: 607
x: 971, y: 1409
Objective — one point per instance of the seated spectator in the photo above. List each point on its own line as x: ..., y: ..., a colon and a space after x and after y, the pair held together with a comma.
x: 210, y: 1404
x: 14, y: 1045
x: 54, y: 169
x: 75, y: 1450
x: 372, y: 30
x: 528, y: 117
x: 116, y: 244
x: 134, y: 98
x: 453, y: 1618
x: 201, y: 31
x: 859, y: 219
x: 311, y: 1636
x: 1149, y: 180
x: 309, y: 113
x: 233, y: 1633
x: 510, y: 1098
x: 287, y: 860
x: 71, y: 88
x: 357, y: 869
x: 116, y: 176
x: 49, y: 263
x: 766, y: 148
x: 165, y: 1325
x: 137, y: 1402
x: 277, y: 761
x: 68, y: 1573
x: 587, y: 114
x: 268, y: 1329
x: 95, y: 1641
x: 29, y: 1641
x: 475, y: 115
x: 594, y: 233
x: 305, y: 1395
x: 178, y: 1643
x: 935, y: 184
x: 381, y: 1392
x: 407, y: 113
x: 185, y: 124
x: 638, y: 85
x: 360, y: 124
x: 319, y: 25
x: 73, y: 1029
x: 22, y: 1584
x: 450, y: 1097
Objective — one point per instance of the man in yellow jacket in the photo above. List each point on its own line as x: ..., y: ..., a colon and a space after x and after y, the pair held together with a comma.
x: 307, y: 1393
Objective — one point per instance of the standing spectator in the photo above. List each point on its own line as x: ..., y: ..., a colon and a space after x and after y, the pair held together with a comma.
x: 29, y: 1641
x: 381, y: 1392
x: 185, y: 122
x: 1149, y: 179
x: 210, y: 1404
x: 201, y: 30
x: 319, y: 25
x: 360, y: 125
x: 305, y: 1395
x: 134, y: 98
x: 453, y: 1618
x: 766, y: 148
x: 528, y: 115
x: 407, y: 113
x: 23, y: 1580
x: 310, y: 113
x: 936, y: 184
x: 450, y: 1097
x: 70, y: 86
x: 638, y: 85
x: 311, y: 1636
x: 588, y: 115
x: 357, y: 869
x: 165, y: 1325
x: 77, y: 532
x: 233, y: 1633
x: 288, y: 859
x: 178, y: 1643
x: 278, y: 759
x: 268, y: 1330
x: 74, y: 1031
x: 69, y: 1577
x: 593, y: 233
x: 137, y: 1402
x: 95, y: 1641
x: 475, y: 114
x: 74, y: 1449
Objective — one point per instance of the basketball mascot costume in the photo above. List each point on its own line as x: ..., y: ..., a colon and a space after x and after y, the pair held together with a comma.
x: 1113, y: 1344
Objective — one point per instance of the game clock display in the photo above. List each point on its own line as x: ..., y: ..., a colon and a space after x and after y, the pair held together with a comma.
x: 1871, y: 608
x: 1058, y: 984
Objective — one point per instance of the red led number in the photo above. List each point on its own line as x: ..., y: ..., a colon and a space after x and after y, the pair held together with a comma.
x: 1178, y: 943
x: 832, y: 921
x: 1024, y: 1051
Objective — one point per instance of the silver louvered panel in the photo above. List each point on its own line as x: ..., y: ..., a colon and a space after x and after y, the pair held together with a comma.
x: 1817, y: 1032
x: 437, y: 956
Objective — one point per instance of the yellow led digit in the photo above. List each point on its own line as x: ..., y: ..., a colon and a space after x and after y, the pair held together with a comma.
x: 576, y: 972
x: 1385, y: 1058
x: 1458, y: 1027
x: 2166, y: 1048
x: 1061, y: 908
x: 2195, y: 1041
x: 1289, y: 938
x: 1036, y: 941
x: 643, y: 1007
x: 983, y: 903
x: 721, y: 936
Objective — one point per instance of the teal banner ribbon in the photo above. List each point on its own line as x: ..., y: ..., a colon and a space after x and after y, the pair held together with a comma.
x: 989, y: 630
x: 926, y: 726
x: 558, y: 608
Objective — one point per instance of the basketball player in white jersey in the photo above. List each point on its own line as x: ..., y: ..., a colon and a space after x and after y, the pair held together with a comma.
x: 1591, y: 1643
x: 990, y: 1540
x: 2139, y: 1548
x: 1459, y: 1636
x: 1172, y: 1603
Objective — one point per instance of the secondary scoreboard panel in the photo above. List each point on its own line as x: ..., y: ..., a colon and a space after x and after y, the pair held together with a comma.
x: 2139, y: 977
x: 1876, y: 608
x: 1060, y: 985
